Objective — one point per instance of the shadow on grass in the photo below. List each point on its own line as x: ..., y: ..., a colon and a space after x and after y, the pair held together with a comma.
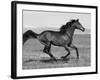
x: 47, y: 60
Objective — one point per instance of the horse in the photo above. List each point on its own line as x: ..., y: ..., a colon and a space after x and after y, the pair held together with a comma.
x: 61, y: 38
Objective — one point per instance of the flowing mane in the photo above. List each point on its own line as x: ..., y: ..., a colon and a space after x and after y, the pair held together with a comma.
x: 66, y: 26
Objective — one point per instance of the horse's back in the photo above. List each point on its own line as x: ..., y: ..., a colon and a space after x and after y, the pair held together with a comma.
x: 47, y: 35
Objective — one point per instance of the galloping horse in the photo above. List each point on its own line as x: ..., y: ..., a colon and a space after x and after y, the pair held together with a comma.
x: 62, y: 38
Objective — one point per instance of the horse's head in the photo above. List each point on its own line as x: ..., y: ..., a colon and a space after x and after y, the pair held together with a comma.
x: 77, y: 25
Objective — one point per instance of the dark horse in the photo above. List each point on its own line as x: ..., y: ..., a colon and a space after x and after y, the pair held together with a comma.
x: 62, y: 38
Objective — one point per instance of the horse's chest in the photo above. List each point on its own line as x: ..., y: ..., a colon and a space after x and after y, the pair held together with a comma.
x: 66, y: 39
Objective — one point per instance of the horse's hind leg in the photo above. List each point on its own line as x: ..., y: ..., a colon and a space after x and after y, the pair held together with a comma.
x: 74, y: 47
x: 47, y: 50
x: 67, y: 49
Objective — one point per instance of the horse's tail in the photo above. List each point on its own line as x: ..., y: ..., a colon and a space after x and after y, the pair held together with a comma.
x: 29, y: 34
x: 34, y: 35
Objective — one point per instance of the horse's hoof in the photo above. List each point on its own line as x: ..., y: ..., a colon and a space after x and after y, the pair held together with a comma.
x: 53, y: 59
x: 64, y: 58
x: 77, y: 58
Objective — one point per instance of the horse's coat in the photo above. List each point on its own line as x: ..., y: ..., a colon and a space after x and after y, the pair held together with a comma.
x: 62, y: 38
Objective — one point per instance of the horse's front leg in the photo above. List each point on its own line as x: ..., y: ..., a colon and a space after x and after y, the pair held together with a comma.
x: 74, y: 47
x: 47, y: 50
x: 67, y: 49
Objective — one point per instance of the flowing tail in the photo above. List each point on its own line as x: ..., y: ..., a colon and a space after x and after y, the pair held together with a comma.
x: 29, y: 34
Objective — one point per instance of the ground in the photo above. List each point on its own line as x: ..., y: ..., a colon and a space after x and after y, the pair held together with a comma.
x: 34, y: 58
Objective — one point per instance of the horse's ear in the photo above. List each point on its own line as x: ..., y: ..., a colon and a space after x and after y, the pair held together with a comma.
x: 77, y: 20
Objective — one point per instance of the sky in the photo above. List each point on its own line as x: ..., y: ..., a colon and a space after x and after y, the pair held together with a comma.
x: 39, y: 21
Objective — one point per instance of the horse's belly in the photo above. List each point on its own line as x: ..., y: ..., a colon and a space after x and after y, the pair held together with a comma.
x: 58, y: 42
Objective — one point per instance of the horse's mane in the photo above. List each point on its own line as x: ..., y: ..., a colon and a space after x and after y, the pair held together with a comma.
x: 66, y: 26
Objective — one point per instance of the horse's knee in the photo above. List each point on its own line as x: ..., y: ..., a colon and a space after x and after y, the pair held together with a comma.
x: 45, y: 51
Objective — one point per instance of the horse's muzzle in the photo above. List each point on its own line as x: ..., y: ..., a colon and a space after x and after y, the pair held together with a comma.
x: 82, y: 29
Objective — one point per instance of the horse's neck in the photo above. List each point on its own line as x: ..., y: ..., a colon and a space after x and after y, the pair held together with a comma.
x: 70, y: 31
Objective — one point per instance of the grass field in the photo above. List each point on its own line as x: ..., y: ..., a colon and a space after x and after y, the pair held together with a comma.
x: 34, y: 58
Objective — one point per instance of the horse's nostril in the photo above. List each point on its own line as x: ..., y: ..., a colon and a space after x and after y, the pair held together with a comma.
x: 83, y: 29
